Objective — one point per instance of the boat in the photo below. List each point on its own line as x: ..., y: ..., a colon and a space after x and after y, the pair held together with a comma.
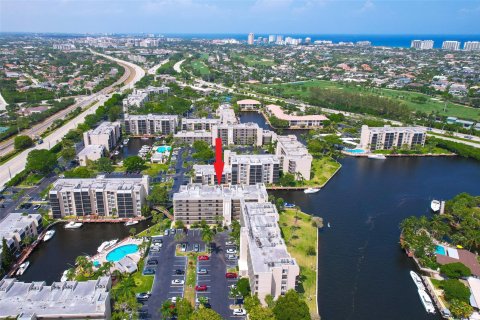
x: 418, y: 281
x: 73, y: 225
x: 125, y: 141
x: 328, y: 224
x: 311, y: 190
x: 289, y: 205
x: 426, y: 301
x: 106, y: 244
x: 22, y: 268
x: 49, y: 235
x: 64, y: 276
x: 377, y: 156
x: 116, y: 153
x: 130, y: 223
x: 435, y: 205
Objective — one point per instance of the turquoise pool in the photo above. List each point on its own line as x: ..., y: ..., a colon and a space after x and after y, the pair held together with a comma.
x: 355, y: 150
x: 163, y: 149
x: 120, y: 252
x: 96, y: 264
x: 440, y: 250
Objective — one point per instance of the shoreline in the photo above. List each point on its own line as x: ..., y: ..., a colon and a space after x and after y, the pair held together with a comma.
x: 365, y: 155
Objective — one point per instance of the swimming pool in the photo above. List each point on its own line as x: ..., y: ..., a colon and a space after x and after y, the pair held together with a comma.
x: 163, y: 149
x: 354, y: 150
x: 440, y: 250
x: 120, y: 252
x: 96, y: 264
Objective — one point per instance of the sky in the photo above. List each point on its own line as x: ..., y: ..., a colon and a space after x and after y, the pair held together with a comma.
x: 242, y: 16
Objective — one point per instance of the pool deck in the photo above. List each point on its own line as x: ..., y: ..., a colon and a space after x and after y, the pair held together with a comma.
x: 102, y: 256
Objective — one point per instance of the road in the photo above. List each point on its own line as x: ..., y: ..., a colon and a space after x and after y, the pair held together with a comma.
x: 177, y: 65
x: 3, y: 103
x: 153, y: 70
x: 15, y: 165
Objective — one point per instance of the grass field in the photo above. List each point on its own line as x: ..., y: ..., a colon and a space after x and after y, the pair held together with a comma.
x: 323, y: 169
x: 301, y: 90
x: 143, y: 283
x: 200, y: 66
x: 300, y: 236
x: 254, y: 60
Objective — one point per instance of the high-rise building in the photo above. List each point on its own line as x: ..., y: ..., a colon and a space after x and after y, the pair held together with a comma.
x: 422, y: 44
x: 387, y: 138
x: 253, y: 168
x: 279, y: 39
x: 308, y: 40
x: 294, y: 157
x: 190, y: 124
x: 248, y: 133
x: 150, y: 124
x: 451, y: 45
x: 106, y: 134
x: 271, y: 38
x: 17, y: 227
x: 471, y: 46
x: 251, y: 38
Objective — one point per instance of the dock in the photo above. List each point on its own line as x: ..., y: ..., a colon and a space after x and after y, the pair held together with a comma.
x: 442, y: 207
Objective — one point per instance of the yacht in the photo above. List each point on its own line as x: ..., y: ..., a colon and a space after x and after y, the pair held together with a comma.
x: 49, y: 235
x: 426, y: 301
x: 106, y: 244
x: 435, y: 205
x: 311, y: 190
x: 73, y: 225
x: 64, y: 276
x: 22, y: 268
x: 130, y: 222
x: 328, y: 224
x: 418, y: 281
x: 377, y: 156
x: 289, y: 205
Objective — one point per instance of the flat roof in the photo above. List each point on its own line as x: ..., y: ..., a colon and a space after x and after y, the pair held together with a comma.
x: 92, y: 149
x: 104, y: 128
x: 196, y: 191
x: 278, y: 112
x: 248, y: 101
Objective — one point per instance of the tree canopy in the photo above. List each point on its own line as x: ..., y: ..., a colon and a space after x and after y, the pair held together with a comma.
x: 134, y: 164
x: 22, y: 142
x: 41, y: 161
x: 455, y: 270
x: 291, y: 307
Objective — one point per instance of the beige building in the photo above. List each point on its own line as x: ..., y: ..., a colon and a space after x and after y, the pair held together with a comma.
x: 294, y: 157
x: 198, y: 124
x: 150, y: 124
x: 15, y: 227
x: 195, y: 202
x: 253, y: 168
x: 386, y: 138
x: 294, y: 121
x: 205, y: 174
x: 226, y: 114
x: 249, y: 105
x: 238, y: 134
x: 189, y: 137
x: 264, y: 257
x: 106, y: 134
x: 106, y: 195
x: 92, y: 152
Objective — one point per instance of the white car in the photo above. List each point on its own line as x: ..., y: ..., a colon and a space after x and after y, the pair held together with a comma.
x: 231, y: 251
x: 157, y: 244
x: 173, y: 299
x: 178, y: 281
x: 154, y: 249
x: 239, y: 312
x: 230, y: 243
x: 231, y: 257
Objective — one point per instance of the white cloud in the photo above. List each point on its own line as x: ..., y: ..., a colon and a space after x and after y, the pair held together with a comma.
x: 367, y: 5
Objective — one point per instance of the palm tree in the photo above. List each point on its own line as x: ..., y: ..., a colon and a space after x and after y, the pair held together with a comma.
x: 124, y: 288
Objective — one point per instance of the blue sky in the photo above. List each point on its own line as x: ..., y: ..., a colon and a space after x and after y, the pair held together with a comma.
x: 242, y: 16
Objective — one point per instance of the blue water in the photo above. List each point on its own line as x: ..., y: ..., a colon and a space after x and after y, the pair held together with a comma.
x: 440, y: 250
x: 162, y: 149
x: 355, y: 150
x: 96, y: 263
x: 120, y: 252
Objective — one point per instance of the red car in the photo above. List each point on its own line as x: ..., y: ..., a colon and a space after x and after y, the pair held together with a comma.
x: 201, y: 287
x: 231, y: 275
x: 203, y: 258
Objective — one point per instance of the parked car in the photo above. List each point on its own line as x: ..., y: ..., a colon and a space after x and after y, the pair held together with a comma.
x: 173, y: 231
x: 231, y: 251
x: 142, y: 296
x: 173, y: 299
x: 239, y: 312
x: 231, y: 257
x: 36, y: 207
x: 152, y: 262
x: 154, y: 249
x: 230, y: 243
x: 203, y: 258
x: 184, y: 247
x: 201, y: 287
x: 178, y: 282
x: 196, y: 247
x: 179, y: 271
x: 148, y: 271
x: 166, y: 232
x: 231, y: 275
x: 157, y: 244
x: 157, y: 240
x: 202, y: 271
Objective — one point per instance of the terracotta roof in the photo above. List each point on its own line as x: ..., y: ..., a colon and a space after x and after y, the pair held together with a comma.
x: 278, y: 112
x: 466, y: 257
x: 248, y: 101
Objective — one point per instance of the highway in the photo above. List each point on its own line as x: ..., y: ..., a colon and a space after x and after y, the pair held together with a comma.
x: 133, y: 74
x: 153, y: 70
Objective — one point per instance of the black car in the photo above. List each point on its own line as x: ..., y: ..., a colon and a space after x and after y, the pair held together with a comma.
x: 148, y: 271
x: 179, y: 271
x: 152, y: 262
x: 207, y: 305
x: 157, y: 240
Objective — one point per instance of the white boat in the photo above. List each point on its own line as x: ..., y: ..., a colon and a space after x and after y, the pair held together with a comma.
x: 116, y: 153
x: 22, y: 268
x: 426, y: 301
x: 311, y: 190
x: 418, y: 281
x: 130, y: 223
x: 328, y: 224
x: 106, y: 245
x: 125, y: 141
x: 64, y: 276
x: 49, y: 235
x: 73, y: 225
x: 435, y: 205
x: 377, y: 156
x: 289, y: 205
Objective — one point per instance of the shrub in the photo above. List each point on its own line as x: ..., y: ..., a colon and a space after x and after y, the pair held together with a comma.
x: 455, y: 270
x: 455, y: 290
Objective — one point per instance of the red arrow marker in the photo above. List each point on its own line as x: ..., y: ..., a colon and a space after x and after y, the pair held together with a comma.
x: 219, y: 164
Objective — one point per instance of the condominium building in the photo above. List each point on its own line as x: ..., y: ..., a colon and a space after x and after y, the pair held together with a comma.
x: 249, y: 105
x: 198, y: 124
x: 218, y: 203
x: 189, y: 137
x: 386, y: 138
x: 205, y: 174
x: 271, y: 38
x: 422, y: 44
x: 16, y: 227
x: 294, y: 121
x: 138, y: 97
x: 150, y: 124
x: 106, y: 134
x: 471, y: 46
x: 226, y: 114
x: 92, y: 152
x: 251, y: 169
x: 250, y: 38
x: 294, y: 157
x: 238, y: 134
x: 451, y: 45
x: 105, y: 195
x: 264, y: 257
x: 62, y: 300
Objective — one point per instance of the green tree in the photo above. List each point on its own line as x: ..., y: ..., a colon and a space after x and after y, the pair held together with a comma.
x: 184, y: 309
x: 158, y: 195
x: 455, y: 270
x: 261, y: 313
x: 311, y: 251
x: 168, y: 309
x: 454, y: 289
x: 287, y: 179
x: 251, y: 302
x: 7, y: 256
x: 205, y: 314
x: 79, y: 172
x: 41, y: 161
x: 207, y: 235
x: 134, y: 164
x: 68, y: 152
x: 132, y: 232
x: 179, y: 224
x: 460, y: 309
x: 22, y: 142
x: 104, y: 165
x: 203, y: 151
x: 291, y: 307
x: 243, y: 286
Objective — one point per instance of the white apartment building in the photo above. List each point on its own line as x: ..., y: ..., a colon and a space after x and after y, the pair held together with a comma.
x: 451, y: 45
x: 249, y: 105
x: 17, y: 226
x: 264, y: 257
x: 422, y: 44
x: 189, y: 137
x: 386, y: 138
x: 105, y: 195
x: 226, y: 114
x: 196, y: 202
x: 294, y: 121
x: 199, y: 124
x: 294, y: 157
x: 250, y: 38
x: 238, y: 134
x: 150, y: 124
x: 106, y: 134
x: 138, y: 97
x: 92, y: 152
x: 62, y: 300
x: 471, y: 46
x: 250, y: 169
x: 205, y: 174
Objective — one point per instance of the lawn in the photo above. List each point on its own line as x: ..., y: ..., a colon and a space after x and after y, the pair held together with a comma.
x: 154, y: 168
x: 31, y: 180
x: 323, y: 169
x: 191, y: 276
x: 143, y: 283
x: 300, y: 89
x: 300, y: 235
x: 254, y: 60
x: 200, y: 66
